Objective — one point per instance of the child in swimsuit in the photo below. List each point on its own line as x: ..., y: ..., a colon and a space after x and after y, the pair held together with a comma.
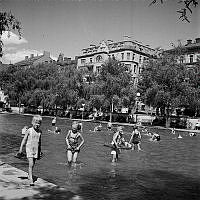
x: 32, y: 139
x: 109, y: 126
x: 73, y: 146
x: 117, y: 141
x: 135, y: 139
x: 155, y: 137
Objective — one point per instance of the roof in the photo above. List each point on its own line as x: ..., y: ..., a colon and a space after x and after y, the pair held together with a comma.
x: 4, y: 66
x: 29, y: 61
x: 192, y: 45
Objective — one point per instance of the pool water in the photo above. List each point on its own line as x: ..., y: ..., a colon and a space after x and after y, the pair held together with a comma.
x: 168, y: 169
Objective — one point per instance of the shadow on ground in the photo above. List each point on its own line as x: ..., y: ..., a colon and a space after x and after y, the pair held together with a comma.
x: 140, y: 185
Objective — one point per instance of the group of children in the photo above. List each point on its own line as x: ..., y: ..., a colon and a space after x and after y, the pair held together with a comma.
x: 74, y: 142
x: 118, y: 142
x: 32, y: 141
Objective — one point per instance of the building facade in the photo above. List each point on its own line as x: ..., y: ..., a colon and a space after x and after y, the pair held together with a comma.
x: 129, y: 52
x: 188, y: 53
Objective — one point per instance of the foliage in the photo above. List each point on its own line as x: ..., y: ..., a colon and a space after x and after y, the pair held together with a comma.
x: 187, y: 6
x: 7, y: 23
x: 166, y: 84
x: 115, y: 83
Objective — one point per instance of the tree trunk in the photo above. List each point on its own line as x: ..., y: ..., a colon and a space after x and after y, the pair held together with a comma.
x: 19, y: 102
x: 168, y: 119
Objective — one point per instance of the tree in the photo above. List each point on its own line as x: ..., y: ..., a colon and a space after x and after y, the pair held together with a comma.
x: 115, y: 82
x: 165, y: 84
x: 187, y: 6
x: 7, y: 23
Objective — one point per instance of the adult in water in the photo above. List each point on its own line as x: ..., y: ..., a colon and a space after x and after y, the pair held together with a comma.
x: 73, y: 145
x: 117, y: 141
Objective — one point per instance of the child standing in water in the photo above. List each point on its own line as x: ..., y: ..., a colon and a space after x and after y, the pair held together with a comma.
x: 53, y: 123
x: 173, y: 131
x: 72, y: 141
x: 117, y: 140
x: 135, y: 139
x: 32, y: 139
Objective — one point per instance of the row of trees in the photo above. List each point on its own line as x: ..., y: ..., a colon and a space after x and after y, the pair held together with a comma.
x: 168, y: 85
x: 52, y: 85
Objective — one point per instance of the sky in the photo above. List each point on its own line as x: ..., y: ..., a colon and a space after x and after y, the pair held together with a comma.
x: 68, y: 26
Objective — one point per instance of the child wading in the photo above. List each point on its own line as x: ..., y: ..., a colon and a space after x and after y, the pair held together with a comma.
x: 72, y: 141
x: 32, y: 139
x: 135, y: 139
x: 53, y: 123
x: 116, y: 142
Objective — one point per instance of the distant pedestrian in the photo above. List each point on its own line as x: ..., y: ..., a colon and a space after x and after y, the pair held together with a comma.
x: 32, y: 139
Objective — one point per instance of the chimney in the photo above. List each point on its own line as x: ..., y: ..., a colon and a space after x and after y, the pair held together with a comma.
x: 32, y: 55
x: 197, y: 40
x: 26, y: 57
x: 189, y: 41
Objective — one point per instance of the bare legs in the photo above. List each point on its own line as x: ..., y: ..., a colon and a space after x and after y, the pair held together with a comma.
x: 72, y: 157
x: 31, y: 163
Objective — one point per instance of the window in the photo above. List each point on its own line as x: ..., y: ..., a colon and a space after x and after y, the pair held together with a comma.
x: 140, y: 59
x: 99, y: 58
x: 128, y: 66
x: 181, y: 59
x: 133, y: 56
x: 122, y: 56
x: 135, y: 68
x: 191, y: 58
x: 98, y: 69
x: 128, y: 56
x: 82, y: 61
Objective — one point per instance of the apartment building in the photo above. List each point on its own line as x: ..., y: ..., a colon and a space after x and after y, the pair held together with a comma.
x: 189, y: 53
x: 131, y: 53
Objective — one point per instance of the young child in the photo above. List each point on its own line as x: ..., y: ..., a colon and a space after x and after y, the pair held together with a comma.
x: 53, y: 123
x: 73, y: 146
x: 116, y: 142
x: 57, y: 130
x: 173, y: 131
x: 109, y: 126
x: 135, y: 139
x: 32, y: 139
x: 155, y: 137
x: 80, y: 126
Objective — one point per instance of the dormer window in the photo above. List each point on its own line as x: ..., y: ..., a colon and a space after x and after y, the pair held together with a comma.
x: 191, y: 58
x: 99, y: 58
